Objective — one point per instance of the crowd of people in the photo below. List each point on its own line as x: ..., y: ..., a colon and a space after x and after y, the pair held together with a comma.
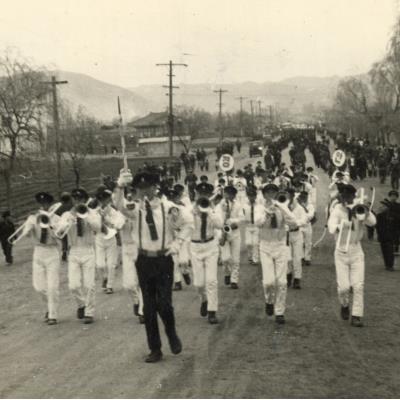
x: 166, y: 229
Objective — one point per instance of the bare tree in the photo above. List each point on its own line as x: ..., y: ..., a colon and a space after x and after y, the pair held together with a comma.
x: 78, y: 136
x: 22, y: 98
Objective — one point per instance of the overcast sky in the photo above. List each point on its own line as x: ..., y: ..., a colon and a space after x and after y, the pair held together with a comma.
x: 120, y: 41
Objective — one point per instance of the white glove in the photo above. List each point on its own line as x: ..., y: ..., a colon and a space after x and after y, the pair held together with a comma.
x: 174, y: 248
x: 125, y: 177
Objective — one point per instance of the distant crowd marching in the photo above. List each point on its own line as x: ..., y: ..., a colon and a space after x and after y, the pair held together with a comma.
x: 165, y: 232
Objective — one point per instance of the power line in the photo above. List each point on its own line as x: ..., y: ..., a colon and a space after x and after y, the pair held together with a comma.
x: 241, y: 98
x: 220, y: 91
x: 56, y: 127
x: 171, y: 87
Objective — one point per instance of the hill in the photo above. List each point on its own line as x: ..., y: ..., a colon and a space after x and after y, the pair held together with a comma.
x: 293, y: 93
x: 100, y: 98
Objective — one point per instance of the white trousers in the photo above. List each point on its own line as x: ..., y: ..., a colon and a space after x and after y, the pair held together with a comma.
x: 296, y: 248
x: 274, y: 268
x: 130, y: 281
x: 81, y: 277
x: 230, y: 256
x: 204, y: 258
x: 307, y: 240
x: 107, y: 259
x: 181, y: 262
x: 252, y: 241
x: 46, y: 277
x: 350, y: 268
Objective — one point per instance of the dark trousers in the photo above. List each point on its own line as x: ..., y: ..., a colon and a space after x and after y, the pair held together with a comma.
x: 387, y: 252
x: 394, y: 180
x: 7, y: 250
x: 156, y: 275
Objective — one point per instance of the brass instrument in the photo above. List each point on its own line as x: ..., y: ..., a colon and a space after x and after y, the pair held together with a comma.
x: 359, y: 211
x: 82, y: 211
x: 43, y: 218
x: 204, y: 204
x: 282, y: 197
x: 226, y: 229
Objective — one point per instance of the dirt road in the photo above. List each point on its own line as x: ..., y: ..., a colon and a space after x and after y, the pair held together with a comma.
x: 315, y: 354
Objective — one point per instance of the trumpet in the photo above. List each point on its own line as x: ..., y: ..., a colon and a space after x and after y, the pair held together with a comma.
x: 203, y: 204
x: 360, y: 211
x: 281, y: 197
x: 227, y: 229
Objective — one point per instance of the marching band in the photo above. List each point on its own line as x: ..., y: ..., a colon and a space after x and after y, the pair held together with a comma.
x: 168, y: 233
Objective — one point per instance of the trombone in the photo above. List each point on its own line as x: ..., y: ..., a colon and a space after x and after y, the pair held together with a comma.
x: 43, y: 218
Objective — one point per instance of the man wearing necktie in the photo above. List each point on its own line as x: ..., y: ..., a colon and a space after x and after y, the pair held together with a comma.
x: 271, y: 217
x: 81, y: 232
x: 156, y: 223
x: 349, y: 255
x: 46, y: 257
x: 252, y: 231
x: 204, y: 251
x: 307, y: 229
x: 232, y: 211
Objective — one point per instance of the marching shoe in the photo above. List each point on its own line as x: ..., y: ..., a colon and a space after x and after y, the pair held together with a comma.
x: 88, y: 320
x: 289, y: 278
x: 234, y: 285
x: 136, y: 309
x: 296, y: 283
x: 280, y: 319
x: 212, y: 317
x: 203, y: 309
x: 345, y: 312
x: 80, y: 313
x: 307, y: 263
x: 389, y: 269
x: 186, y: 278
x: 52, y: 321
x: 109, y: 291
x: 141, y: 319
x: 104, y: 284
x: 175, y: 344
x: 227, y: 280
x: 178, y: 286
x: 269, y: 309
x: 154, y: 356
x: 356, y: 321
x: 46, y: 317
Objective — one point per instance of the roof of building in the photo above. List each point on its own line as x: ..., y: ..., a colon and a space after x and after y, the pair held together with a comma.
x: 152, y: 119
x: 163, y: 139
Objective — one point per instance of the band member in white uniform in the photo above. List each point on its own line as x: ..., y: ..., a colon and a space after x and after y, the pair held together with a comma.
x: 240, y: 183
x: 230, y: 241
x: 312, y: 179
x: 106, y: 243
x: 204, y: 251
x: 271, y: 217
x: 46, y: 254
x: 307, y: 229
x: 252, y: 238
x: 347, y: 222
x: 81, y: 224
x: 130, y: 282
x: 296, y: 241
x: 182, y: 258
x: 156, y: 221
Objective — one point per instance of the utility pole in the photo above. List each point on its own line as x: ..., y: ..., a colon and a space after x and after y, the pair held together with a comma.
x: 56, y: 127
x: 220, y: 91
x: 271, y: 119
x: 252, y: 116
x: 241, y: 98
x: 171, y: 88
